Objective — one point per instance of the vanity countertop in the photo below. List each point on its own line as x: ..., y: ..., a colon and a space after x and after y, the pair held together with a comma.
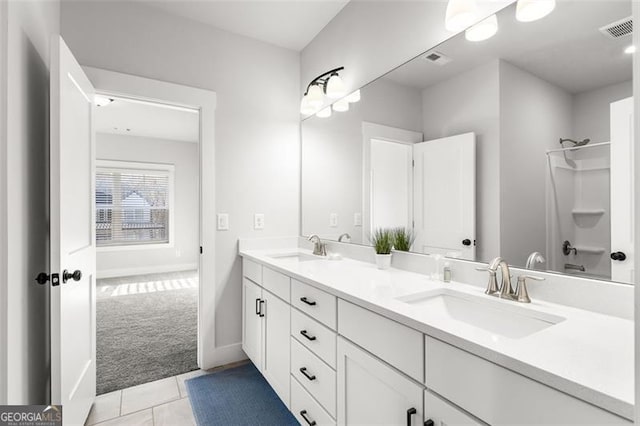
x: 587, y: 355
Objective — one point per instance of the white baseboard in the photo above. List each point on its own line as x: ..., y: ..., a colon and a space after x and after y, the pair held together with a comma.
x: 223, y: 355
x: 142, y: 270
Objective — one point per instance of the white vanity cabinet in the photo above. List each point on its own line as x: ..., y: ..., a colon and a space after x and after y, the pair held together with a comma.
x: 371, y: 392
x: 438, y: 412
x: 266, y: 320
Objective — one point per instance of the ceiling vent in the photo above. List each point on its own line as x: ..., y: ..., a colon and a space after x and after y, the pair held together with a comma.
x: 437, y: 58
x: 618, y: 29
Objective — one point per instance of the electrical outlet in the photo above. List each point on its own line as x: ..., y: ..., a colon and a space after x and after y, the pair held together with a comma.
x: 333, y: 220
x: 223, y: 221
x: 258, y: 221
x: 357, y: 219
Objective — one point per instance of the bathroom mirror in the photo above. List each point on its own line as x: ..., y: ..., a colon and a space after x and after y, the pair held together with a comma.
x: 509, y: 146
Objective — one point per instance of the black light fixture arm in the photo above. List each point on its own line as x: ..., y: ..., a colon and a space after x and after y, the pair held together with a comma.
x: 323, y: 79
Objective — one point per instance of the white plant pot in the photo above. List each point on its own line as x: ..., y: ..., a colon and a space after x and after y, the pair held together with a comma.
x: 383, y: 261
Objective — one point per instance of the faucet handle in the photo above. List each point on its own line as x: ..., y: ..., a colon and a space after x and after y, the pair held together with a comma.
x: 522, y: 295
x: 492, y: 284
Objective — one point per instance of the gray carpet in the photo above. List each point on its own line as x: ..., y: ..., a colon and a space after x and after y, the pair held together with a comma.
x: 146, y: 329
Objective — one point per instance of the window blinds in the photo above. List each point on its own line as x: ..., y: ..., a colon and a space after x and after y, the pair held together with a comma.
x: 132, y: 206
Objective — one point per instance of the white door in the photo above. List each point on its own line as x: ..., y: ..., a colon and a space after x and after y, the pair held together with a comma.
x: 444, y: 181
x: 252, y: 308
x: 72, y: 167
x: 622, y: 191
x: 372, y: 393
x: 391, y: 186
x: 440, y: 412
x: 276, y: 340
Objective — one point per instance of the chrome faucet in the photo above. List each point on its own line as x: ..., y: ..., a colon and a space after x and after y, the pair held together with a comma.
x: 535, y: 257
x: 345, y: 235
x: 319, y: 248
x: 504, y: 291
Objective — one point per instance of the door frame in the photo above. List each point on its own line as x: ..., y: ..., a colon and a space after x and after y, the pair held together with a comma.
x: 140, y: 88
x: 4, y: 249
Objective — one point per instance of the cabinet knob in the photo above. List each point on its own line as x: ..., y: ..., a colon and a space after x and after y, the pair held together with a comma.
x: 466, y: 242
x: 307, y: 335
x: 429, y: 423
x: 310, y: 422
x: 618, y: 255
x: 311, y: 377
x: 307, y: 301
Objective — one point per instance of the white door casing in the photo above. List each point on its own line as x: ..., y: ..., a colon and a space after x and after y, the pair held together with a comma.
x: 622, y: 190
x: 72, y: 180
x: 445, y: 196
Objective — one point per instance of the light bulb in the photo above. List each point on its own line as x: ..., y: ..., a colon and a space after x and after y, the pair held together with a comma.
x: 354, y: 97
x: 341, y: 106
x: 324, y: 113
x: 315, y: 97
x: 305, y: 108
x: 335, y: 87
x: 101, y: 100
x: 483, y: 30
x: 460, y: 14
x: 630, y: 50
x: 532, y: 10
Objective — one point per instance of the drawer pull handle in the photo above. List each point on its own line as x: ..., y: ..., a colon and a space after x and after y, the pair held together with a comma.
x: 305, y: 300
x: 429, y: 423
x: 311, y: 377
x: 410, y: 412
x: 305, y: 334
x: 303, y: 413
x: 262, y: 303
x: 258, y: 306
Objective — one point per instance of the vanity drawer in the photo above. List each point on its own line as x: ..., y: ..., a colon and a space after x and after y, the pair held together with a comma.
x: 397, y: 344
x: 302, y: 402
x: 321, y: 380
x: 277, y: 283
x: 442, y: 413
x: 252, y: 270
x: 317, y: 338
x: 500, y: 396
x: 315, y: 303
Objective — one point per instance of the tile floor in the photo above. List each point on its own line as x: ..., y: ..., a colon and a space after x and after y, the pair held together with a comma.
x: 160, y: 403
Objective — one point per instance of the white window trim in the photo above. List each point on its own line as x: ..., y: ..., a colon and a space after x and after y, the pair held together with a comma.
x: 133, y: 166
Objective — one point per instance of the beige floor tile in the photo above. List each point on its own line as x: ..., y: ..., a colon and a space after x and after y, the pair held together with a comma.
x: 141, y: 418
x: 186, y: 376
x: 149, y: 395
x: 105, y: 407
x: 175, y: 413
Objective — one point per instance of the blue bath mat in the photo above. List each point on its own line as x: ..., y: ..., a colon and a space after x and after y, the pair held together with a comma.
x: 237, y: 396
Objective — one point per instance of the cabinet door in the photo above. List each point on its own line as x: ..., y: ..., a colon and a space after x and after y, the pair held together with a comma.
x: 371, y: 392
x: 251, y: 321
x: 441, y: 413
x: 276, y: 326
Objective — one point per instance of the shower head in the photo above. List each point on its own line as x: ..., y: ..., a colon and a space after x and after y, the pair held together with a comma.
x: 575, y: 143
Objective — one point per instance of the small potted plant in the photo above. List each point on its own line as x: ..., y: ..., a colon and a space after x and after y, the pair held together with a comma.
x: 382, y: 240
x: 403, y: 239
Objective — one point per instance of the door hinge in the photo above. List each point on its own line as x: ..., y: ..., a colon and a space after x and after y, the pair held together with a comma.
x: 55, y: 279
x: 413, y: 163
x: 200, y: 249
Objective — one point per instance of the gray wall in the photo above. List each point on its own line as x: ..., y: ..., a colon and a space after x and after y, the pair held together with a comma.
x: 27, y: 29
x: 184, y: 253
x: 332, y: 156
x: 257, y: 117
x: 470, y: 102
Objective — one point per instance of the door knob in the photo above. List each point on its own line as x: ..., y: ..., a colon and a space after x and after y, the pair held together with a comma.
x: 42, y: 278
x: 76, y: 275
x: 466, y: 242
x: 618, y: 255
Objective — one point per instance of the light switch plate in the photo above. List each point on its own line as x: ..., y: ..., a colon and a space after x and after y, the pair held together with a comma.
x: 357, y: 219
x: 223, y: 221
x: 258, y: 221
x: 333, y: 220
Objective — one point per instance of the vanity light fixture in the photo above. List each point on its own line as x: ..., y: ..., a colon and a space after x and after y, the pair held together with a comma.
x: 532, y: 10
x: 483, y: 30
x: 354, y: 97
x: 341, y: 106
x: 329, y: 84
x: 630, y: 50
x: 460, y: 14
x: 324, y: 113
x: 101, y: 100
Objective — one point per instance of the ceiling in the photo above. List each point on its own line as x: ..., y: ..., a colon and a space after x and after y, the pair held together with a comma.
x: 565, y: 48
x: 151, y: 120
x: 291, y: 24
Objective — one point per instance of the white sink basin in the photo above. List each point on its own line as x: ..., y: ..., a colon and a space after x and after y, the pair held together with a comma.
x: 299, y: 257
x: 498, y: 317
